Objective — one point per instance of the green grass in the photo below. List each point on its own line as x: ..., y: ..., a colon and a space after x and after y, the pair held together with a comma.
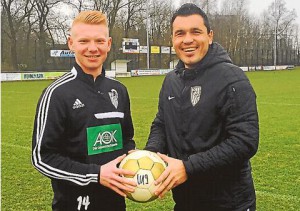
x: 276, y: 166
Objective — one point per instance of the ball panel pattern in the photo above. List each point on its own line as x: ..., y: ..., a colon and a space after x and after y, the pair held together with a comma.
x: 148, y: 166
x: 157, y: 170
x: 131, y: 165
x: 145, y: 163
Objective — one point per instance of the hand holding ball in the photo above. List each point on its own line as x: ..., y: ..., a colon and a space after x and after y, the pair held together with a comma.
x: 148, y: 166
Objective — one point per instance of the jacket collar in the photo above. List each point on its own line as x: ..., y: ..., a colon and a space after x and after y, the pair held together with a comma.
x: 86, y: 76
x: 215, y: 54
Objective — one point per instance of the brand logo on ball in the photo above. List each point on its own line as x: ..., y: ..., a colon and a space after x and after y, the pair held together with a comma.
x: 104, y: 138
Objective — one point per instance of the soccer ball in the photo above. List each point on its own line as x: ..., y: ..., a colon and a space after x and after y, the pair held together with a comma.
x: 148, y: 166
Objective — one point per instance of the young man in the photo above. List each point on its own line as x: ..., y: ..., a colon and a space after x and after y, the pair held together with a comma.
x: 207, y: 122
x: 83, y: 126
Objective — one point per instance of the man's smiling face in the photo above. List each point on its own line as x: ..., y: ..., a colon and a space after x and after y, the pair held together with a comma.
x: 91, y: 44
x: 191, y: 39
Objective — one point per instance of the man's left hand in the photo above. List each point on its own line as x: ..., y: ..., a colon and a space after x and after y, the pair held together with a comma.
x: 173, y: 175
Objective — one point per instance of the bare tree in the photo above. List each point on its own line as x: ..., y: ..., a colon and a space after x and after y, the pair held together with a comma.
x: 15, y: 12
x: 42, y: 9
x: 31, y: 28
x: 280, y: 20
x: 111, y: 8
x: 209, y: 6
x: 135, y: 9
x: 79, y: 5
x: 234, y: 24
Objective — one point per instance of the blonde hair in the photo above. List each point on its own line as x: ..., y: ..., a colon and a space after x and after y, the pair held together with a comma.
x: 90, y: 17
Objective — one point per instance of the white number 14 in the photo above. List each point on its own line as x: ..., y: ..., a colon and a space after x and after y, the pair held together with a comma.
x: 85, y: 201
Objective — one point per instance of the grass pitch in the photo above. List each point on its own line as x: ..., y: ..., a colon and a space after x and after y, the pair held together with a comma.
x: 276, y: 166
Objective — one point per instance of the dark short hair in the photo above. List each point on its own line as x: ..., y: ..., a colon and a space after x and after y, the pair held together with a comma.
x: 191, y: 9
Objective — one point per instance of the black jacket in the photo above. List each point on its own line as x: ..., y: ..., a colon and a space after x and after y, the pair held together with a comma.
x: 208, y: 118
x: 80, y: 125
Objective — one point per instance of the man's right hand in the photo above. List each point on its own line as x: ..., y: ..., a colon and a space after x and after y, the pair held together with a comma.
x: 111, y: 177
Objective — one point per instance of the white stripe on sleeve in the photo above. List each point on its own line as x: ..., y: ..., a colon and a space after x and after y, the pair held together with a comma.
x: 41, y: 122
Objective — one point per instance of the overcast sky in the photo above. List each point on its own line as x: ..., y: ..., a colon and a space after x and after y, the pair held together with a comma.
x: 256, y: 7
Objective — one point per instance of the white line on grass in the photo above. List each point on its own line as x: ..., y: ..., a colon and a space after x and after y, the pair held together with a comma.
x: 16, y: 92
x: 280, y: 104
x: 16, y: 146
x: 279, y: 196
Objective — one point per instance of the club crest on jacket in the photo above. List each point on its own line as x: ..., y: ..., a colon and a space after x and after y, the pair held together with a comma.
x: 113, y: 94
x: 195, y: 94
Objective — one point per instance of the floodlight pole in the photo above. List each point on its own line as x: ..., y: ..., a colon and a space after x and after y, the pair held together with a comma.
x: 147, y: 29
x: 275, y: 34
x: 275, y: 47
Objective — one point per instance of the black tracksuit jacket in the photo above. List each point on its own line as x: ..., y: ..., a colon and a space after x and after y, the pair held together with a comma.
x: 81, y: 124
x: 208, y: 118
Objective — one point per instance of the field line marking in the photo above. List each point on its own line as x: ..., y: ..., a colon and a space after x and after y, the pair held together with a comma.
x: 21, y: 116
x: 16, y: 146
x: 26, y: 116
x: 282, y: 104
x: 15, y: 92
x: 278, y: 196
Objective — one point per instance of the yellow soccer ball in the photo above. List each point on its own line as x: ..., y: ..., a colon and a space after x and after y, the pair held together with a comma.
x: 148, y: 166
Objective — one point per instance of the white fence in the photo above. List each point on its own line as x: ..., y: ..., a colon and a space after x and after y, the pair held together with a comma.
x: 40, y: 76
x: 112, y: 74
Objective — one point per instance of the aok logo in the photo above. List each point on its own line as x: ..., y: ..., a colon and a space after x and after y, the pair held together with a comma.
x: 106, y: 138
